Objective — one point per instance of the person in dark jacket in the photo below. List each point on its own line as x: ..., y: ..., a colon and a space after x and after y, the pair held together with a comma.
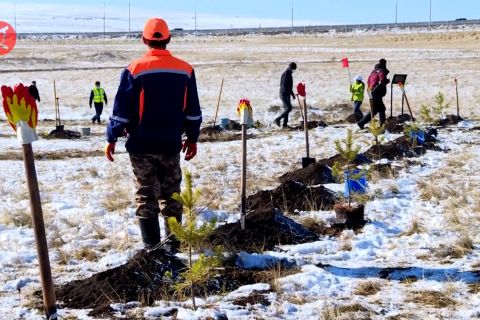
x: 98, y: 97
x: 377, y: 89
x: 32, y: 89
x: 157, y: 101
x: 286, y: 91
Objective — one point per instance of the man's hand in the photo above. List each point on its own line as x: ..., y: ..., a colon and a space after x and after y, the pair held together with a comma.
x: 109, y: 150
x: 293, y: 96
x: 191, y: 150
x: 90, y: 106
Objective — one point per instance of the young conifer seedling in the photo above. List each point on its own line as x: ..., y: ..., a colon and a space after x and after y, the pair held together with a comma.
x: 193, y: 234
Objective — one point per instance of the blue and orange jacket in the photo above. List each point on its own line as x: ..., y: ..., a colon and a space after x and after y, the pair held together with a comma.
x: 157, y: 101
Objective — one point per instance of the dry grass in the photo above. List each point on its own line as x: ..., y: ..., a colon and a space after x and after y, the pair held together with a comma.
x: 436, y: 299
x: 346, y: 241
x: 341, y: 312
x: 17, y: 217
x: 462, y: 247
x: 368, y: 288
x: 415, y: 228
x: 314, y: 225
x: 85, y: 253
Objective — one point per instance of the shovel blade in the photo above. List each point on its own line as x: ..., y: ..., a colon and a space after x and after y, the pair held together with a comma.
x: 307, y: 161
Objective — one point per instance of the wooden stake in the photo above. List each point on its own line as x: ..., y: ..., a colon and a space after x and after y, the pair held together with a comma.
x: 243, y: 182
x: 300, y: 106
x: 55, y: 103
x: 391, y: 100
x: 218, y: 104
x: 408, y: 105
x: 458, y: 104
x: 39, y: 231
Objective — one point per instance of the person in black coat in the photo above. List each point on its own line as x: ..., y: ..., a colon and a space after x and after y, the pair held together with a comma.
x: 286, y: 91
x: 34, y: 91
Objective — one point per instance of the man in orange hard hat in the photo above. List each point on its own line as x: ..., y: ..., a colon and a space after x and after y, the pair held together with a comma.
x: 156, y: 102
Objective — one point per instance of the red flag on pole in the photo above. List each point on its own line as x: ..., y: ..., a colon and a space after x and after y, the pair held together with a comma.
x: 345, y: 62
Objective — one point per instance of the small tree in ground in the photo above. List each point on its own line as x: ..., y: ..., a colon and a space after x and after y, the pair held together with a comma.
x: 432, y: 113
x: 349, y: 153
x: 193, y: 236
x: 411, y: 131
x: 377, y: 130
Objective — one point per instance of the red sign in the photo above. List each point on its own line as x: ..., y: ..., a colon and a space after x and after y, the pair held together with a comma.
x: 8, y: 38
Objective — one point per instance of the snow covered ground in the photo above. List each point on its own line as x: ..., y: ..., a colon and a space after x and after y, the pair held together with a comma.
x: 423, y: 220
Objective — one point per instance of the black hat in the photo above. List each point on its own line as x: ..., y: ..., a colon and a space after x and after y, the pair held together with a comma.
x: 383, y: 62
x: 292, y: 65
x: 97, y: 83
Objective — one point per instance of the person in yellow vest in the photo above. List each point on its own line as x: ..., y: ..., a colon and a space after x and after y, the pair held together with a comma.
x: 98, y: 97
x: 357, y: 89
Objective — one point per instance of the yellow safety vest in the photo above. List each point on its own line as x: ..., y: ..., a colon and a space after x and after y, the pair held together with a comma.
x: 98, y: 95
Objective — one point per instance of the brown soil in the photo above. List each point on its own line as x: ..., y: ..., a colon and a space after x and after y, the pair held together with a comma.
x: 451, y: 119
x: 400, y: 148
x: 256, y: 297
x: 350, y: 216
x: 354, y: 117
x: 63, y: 134
x: 314, y: 174
x: 264, y: 229
x: 291, y: 196
x: 144, y: 279
x: 311, y: 125
x: 395, y: 124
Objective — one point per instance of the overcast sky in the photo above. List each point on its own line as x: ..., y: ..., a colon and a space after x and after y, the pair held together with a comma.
x: 87, y: 15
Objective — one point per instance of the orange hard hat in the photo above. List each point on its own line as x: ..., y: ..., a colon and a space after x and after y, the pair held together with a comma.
x: 156, y: 29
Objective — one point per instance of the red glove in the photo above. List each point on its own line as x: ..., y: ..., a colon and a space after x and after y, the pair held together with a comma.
x: 109, y: 150
x: 191, y: 150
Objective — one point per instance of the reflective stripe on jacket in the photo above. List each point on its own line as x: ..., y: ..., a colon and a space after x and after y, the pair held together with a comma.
x: 156, y: 102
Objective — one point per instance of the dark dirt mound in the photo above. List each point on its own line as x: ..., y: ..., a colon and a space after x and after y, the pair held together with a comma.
x: 255, y: 297
x: 264, y: 229
x: 210, y: 130
x: 401, y: 147
x: 311, y: 125
x: 395, y: 124
x: 449, y: 120
x: 314, y: 174
x: 354, y: 117
x: 360, y: 159
x: 63, y: 134
x: 141, y: 279
x: 383, y: 170
x: 323, y: 229
x: 291, y: 196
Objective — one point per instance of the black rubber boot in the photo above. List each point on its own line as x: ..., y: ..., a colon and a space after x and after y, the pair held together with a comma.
x: 150, y: 229
x: 172, y: 244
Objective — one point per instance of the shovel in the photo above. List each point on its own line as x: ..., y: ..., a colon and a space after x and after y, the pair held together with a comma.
x: 306, y: 161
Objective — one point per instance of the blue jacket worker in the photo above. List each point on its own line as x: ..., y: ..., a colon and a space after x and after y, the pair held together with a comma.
x: 156, y: 102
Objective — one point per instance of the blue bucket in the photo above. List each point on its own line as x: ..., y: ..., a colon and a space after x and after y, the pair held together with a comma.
x: 224, y: 122
x: 355, y: 186
x: 419, y: 135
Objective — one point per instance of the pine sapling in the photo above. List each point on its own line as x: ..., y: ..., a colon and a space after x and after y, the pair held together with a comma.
x: 441, y: 104
x: 349, y: 153
x: 411, y: 131
x: 193, y: 235
x: 376, y: 130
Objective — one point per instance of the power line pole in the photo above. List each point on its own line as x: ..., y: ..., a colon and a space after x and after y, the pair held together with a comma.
x: 396, y: 13
x: 195, y: 18
x: 430, y: 21
x: 15, y: 15
x: 104, y: 19
x: 291, y: 29
x: 129, y: 19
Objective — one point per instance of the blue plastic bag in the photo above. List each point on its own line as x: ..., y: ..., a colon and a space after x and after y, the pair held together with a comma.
x: 358, y: 185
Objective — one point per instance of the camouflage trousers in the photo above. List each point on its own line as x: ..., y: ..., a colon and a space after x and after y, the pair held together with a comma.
x: 157, y: 178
